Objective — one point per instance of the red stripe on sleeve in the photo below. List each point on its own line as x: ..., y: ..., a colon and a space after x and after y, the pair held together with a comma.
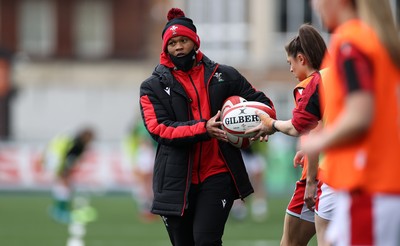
x: 360, y: 77
x: 165, y: 131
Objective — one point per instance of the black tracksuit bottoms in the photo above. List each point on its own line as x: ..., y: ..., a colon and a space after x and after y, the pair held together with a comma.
x: 203, y: 222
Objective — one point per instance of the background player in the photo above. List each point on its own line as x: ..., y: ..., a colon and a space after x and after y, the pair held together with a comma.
x: 62, y: 155
x: 256, y: 164
x: 141, y: 150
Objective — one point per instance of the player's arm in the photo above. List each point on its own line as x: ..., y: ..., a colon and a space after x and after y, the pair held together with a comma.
x: 286, y: 127
x: 305, y: 116
x: 269, y: 126
x: 298, y: 159
x: 264, y: 129
x: 311, y: 183
x: 352, y: 123
x: 160, y: 122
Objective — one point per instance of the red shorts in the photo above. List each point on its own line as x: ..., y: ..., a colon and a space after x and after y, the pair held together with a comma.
x: 297, y: 206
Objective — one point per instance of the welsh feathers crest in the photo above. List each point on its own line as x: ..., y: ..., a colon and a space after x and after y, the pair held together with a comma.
x: 219, y: 77
x: 173, y: 29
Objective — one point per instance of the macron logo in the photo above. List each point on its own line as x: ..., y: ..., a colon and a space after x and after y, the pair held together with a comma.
x: 165, y: 220
x: 167, y: 90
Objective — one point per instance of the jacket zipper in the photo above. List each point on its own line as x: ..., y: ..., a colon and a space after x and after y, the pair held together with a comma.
x: 198, y: 170
x: 208, y: 97
x: 201, y: 116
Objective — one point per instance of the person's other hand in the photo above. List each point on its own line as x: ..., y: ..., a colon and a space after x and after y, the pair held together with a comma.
x: 298, y: 159
x: 213, y: 127
x: 264, y: 128
x: 309, y: 194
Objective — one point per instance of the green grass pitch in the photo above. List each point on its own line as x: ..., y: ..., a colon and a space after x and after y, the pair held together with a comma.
x: 24, y: 221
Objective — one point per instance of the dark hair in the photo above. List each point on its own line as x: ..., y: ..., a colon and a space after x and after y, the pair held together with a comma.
x: 310, y: 43
x: 85, y: 135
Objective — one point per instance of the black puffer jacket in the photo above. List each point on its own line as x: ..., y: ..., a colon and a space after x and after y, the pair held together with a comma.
x: 165, y: 109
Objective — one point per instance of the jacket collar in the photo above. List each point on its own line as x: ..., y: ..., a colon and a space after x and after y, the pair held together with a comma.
x: 166, y: 60
x: 163, y: 70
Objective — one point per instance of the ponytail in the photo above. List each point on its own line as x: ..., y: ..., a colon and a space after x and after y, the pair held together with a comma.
x: 310, y: 43
x: 313, y: 44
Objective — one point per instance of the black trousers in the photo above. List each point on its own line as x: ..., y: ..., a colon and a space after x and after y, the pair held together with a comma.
x: 204, y: 220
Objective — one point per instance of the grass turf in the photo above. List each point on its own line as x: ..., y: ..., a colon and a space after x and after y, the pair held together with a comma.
x: 24, y: 221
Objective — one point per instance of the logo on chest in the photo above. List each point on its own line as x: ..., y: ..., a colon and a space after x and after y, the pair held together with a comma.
x: 167, y: 90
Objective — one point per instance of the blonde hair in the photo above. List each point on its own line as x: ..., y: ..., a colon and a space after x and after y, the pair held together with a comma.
x: 378, y: 15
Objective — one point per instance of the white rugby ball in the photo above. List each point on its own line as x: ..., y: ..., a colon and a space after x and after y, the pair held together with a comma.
x: 242, y: 117
x: 239, y: 142
x: 230, y: 102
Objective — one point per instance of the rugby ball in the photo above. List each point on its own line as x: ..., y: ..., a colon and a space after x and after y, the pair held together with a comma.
x: 238, y: 142
x: 242, y: 117
x: 230, y: 102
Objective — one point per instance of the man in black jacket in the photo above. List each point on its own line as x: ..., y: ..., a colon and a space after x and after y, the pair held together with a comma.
x: 197, y: 173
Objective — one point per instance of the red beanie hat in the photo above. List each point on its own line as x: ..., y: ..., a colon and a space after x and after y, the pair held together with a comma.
x: 179, y: 25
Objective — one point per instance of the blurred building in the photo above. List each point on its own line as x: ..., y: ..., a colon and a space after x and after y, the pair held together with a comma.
x: 76, y: 29
x: 78, y: 62
x: 81, y: 61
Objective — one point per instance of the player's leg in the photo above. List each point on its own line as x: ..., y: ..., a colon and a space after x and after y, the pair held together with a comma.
x: 61, y: 208
x: 338, y: 231
x: 325, y: 205
x: 297, y: 231
x: 214, y: 202
x: 259, y: 205
x: 180, y: 228
x: 255, y: 166
x: 321, y: 225
x: 143, y: 175
x: 298, y: 226
x: 355, y: 220
x: 386, y: 220
x: 361, y: 218
x: 143, y: 194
